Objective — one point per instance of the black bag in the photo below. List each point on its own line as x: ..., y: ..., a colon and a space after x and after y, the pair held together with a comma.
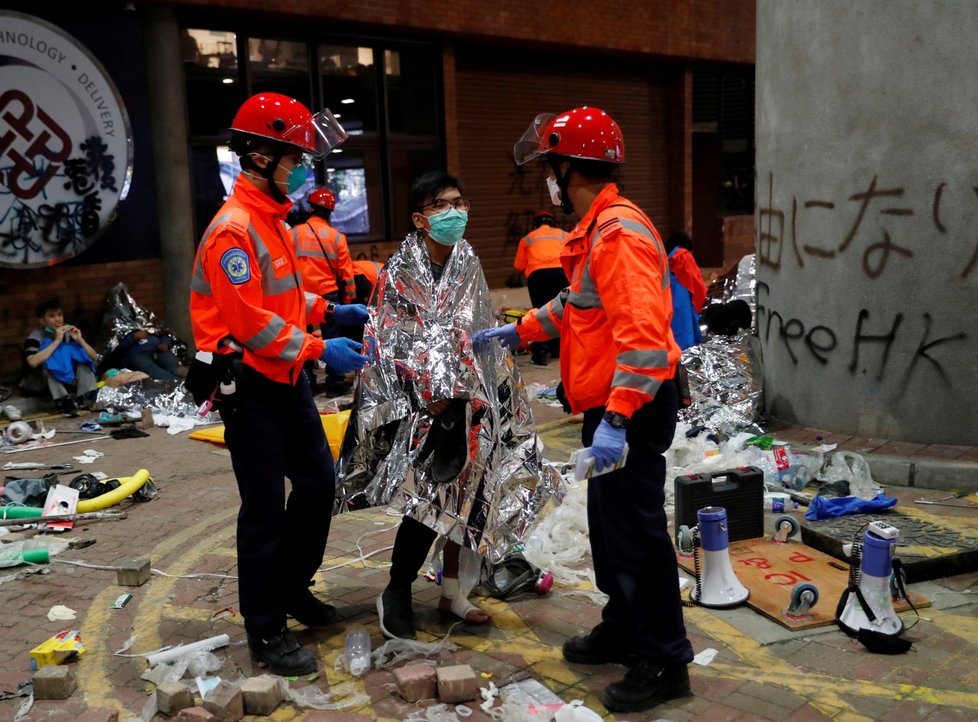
x: 682, y: 386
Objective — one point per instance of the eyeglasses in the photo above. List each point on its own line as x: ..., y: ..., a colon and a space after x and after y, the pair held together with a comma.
x: 441, y: 204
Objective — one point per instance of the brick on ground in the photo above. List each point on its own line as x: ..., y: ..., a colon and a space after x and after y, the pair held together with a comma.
x: 457, y: 683
x: 225, y: 702
x: 171, y: 697
x: 133, y: 573
x: 54, y: 681
x: 261, y: 694
x: 194, y: 714
x: 416, y: 681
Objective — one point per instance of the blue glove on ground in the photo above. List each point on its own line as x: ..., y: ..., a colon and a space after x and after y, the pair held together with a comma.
x: 508, y: 336
x: 341, y: 355
x: 351, y: 314
x: 607, y: 445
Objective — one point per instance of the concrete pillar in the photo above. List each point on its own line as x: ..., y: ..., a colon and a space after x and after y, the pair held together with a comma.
x: 168, y: 117
x: 867, y: 216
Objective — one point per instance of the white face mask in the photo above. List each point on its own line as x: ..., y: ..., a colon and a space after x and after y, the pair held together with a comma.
x: 554, y: 190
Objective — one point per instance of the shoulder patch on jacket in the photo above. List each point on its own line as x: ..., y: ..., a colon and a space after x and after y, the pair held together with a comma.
x: 236, y: 265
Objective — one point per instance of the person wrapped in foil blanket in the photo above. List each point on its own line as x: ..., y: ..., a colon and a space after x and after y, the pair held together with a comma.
x: 488, y: 491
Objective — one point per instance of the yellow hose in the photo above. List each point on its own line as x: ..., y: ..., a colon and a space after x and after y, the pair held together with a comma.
x: 130, y: 485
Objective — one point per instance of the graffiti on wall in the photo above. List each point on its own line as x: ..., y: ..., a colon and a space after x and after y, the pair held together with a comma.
x: 873, y: 232
x: 65, y: 145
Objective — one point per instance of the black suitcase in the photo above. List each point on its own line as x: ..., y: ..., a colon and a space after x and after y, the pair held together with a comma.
x: 740, y: 491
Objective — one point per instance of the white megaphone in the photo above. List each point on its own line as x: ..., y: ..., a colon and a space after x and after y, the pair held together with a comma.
x: 716, y: 585
x: 868, y: 602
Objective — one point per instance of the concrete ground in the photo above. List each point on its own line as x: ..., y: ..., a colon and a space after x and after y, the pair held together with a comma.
x: 762, y: 671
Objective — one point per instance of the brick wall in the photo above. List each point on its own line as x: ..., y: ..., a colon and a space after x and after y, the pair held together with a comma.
x: 82, y: 291
x: 738, y: 238
x: 693, y: 29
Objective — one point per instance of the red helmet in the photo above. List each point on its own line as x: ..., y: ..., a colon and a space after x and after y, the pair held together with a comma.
x: 324, y: 198
x: 286, y: 120
x: 587, y: 133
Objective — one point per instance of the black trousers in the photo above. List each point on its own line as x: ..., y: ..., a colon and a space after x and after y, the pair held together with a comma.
x: 543, y: 285
x: 274, y: 432
x: 634, y: 559
x: 411, y: 546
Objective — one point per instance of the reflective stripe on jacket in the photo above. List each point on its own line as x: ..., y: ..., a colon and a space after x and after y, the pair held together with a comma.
x: 540, y: 248
x: 246, y: 286
x: 324, y: 259
x: 616, y: 347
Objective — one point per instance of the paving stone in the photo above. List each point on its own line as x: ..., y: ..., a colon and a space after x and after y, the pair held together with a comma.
x: 194, y: 714
x: 225, y: 702
x: 262, y: 694
x: 54, y: 681
x: 101, y: 714
x: 171, y: 697
x: 416, y: 681
x: 133, y: 573
x: 458, y: 683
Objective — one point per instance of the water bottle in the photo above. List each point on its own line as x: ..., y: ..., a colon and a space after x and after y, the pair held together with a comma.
x: 356, y: 652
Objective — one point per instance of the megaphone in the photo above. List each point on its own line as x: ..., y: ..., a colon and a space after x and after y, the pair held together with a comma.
x: 716, y: 584
x: 867, y: 603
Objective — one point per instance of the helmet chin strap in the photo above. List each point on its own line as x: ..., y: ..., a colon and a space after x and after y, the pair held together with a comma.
x: 268, y: 173
x: 562, y: 181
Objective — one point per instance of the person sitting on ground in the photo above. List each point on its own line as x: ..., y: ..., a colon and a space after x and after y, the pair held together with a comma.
x: 144, y: 351
x: 59, y: 361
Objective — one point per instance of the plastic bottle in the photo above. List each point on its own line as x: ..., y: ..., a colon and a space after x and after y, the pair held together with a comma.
x: 356, y: 652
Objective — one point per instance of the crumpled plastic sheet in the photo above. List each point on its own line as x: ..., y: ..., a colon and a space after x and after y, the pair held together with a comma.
x: 339, y: 696
x: 125, y: 315
x: 162, y: 397
x: 725, y: 384
x: 423, y: 352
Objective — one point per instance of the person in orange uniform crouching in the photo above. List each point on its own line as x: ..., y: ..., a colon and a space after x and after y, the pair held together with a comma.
x: 618, y: 359
x: 327, y: 270
x: 249, y: 314
x: 538, y: 258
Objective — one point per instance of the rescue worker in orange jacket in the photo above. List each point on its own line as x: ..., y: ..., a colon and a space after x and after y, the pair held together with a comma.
x: 324, y: 256
x: 538, y: 258
x: 249, y: 314
x: 618, y: 359
x: 327, y: 271
x: 365, y: 275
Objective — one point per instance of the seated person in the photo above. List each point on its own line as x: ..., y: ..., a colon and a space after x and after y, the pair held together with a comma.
x: 59, y: 361
x: 145, y: 351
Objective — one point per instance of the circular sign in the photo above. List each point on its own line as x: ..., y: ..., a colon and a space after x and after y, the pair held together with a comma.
x: 65, y: 144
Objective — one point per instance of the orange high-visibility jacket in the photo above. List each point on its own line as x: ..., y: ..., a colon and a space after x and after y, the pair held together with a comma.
x: 324, y: 258
x: 540, y: 248
x: 247, y: 287
x: 616, y: 347
x: 370, y: 269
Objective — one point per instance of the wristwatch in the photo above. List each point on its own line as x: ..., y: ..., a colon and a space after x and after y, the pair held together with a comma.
x: 330, y: 308
x: 619, y: 421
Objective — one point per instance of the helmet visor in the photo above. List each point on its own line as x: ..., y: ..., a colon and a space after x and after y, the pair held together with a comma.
x: 531, y: 144
x: 317, y: 135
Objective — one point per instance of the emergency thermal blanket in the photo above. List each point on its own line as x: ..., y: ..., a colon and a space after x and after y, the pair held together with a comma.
x: 420, y: 341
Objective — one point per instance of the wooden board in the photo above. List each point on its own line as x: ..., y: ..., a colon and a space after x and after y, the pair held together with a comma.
x: 770, y: 570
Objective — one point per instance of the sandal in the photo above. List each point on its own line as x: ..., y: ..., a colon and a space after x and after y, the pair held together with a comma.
x: 453, y: 601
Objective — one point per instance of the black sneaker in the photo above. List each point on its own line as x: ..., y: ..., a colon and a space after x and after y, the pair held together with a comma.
x: 597, y: 647
x: 311, y: 612
x: 282, y: 654
x: 68, y: 407
x: 396, y: 614
x: 646, y: 686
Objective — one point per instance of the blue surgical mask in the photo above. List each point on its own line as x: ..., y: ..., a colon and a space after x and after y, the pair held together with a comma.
x: 296, y: 179
x: 448, y: 227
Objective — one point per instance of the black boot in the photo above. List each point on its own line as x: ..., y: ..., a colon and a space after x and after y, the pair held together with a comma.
x: 308, y: 610
x: 396, y: 614
x: 646, y: 686
x: 597, y: 647
x: 282, y: 654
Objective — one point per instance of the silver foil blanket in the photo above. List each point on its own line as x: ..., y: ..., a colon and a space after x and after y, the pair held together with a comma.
x: 420, y: 331
x: 124, y: 315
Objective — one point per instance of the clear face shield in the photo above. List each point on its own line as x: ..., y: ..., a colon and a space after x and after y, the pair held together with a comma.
x: 319, y: 135
x: 531, y: 144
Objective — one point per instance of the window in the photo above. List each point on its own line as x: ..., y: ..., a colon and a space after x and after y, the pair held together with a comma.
x: 384, y: 94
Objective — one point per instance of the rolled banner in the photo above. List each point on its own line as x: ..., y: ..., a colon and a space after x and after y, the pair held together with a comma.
x: 204, y: 645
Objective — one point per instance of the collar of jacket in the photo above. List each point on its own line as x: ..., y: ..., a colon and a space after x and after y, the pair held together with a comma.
x: 608, y: 195
x: 251, y: 195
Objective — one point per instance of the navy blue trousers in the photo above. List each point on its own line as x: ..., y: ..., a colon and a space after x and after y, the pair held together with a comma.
x: 274, y: 433
x: 634, y: 559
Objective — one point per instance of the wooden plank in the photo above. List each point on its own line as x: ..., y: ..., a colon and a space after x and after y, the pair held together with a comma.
x: 770, y: 570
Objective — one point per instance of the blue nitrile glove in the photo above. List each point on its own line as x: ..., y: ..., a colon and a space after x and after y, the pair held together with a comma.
x: 607, y: 445
x: 350, y: 314
x: 508, y: 336
x: 341, y: 355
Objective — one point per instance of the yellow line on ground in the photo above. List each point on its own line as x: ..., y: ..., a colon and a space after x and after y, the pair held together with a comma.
x: 93, y: 676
